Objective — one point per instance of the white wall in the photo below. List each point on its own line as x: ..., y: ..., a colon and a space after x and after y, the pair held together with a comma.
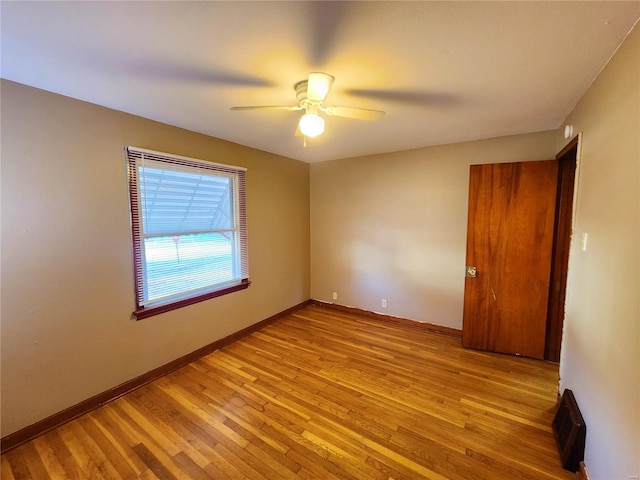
x: 600, y: 353
x: 393, y: 226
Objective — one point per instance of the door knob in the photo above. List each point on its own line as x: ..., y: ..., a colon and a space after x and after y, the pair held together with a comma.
x: 471, y: 272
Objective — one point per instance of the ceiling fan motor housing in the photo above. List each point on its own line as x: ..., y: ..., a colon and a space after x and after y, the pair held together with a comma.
x: 309, y: 106
x: 301, y: 92
x: 301, y: 89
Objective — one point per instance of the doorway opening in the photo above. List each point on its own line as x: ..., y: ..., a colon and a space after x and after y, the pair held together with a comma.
x: 567, y: 161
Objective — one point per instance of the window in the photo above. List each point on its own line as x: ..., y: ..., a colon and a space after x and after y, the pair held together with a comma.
x: 188, y: 220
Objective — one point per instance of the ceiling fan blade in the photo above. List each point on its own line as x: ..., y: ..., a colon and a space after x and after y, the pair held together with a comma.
x: 326, y: 19
x: 407, y: 96
x: 318, y: 86
x: 290, y: 108
x: 196, y: 74
x: 353, y: 112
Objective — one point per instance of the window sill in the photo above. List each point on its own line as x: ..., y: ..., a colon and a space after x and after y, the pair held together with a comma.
x: 146, y: 312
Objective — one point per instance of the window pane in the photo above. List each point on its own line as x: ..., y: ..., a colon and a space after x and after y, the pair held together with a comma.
x: 189, y: 230
x: 178, y: 201
x: 186, y: 263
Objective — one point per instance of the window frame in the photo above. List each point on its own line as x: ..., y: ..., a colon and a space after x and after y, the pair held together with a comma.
x: 134, y: 157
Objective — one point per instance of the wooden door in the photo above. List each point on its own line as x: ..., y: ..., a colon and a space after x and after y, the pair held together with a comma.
x: 509, y: 241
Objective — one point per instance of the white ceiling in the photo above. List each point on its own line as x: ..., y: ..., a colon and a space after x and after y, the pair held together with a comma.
x: 443, y: 71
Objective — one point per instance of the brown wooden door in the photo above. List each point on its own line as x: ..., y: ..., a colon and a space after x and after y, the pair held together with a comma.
x: 509, y: 241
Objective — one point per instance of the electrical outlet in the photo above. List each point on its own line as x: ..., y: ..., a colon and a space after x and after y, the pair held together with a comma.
x: 335, y: 295
x: 384, y: 303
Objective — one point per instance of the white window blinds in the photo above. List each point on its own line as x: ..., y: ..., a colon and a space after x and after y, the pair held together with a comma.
x: 188, y: 225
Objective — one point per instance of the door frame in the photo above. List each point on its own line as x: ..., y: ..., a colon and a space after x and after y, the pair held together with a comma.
x: 565, y: 203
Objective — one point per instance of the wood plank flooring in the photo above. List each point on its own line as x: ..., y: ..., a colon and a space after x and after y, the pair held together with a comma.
x: 318, y: 395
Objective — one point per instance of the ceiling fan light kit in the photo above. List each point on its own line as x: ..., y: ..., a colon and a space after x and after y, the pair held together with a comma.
x: 311, y: 125
x: 311, y: 94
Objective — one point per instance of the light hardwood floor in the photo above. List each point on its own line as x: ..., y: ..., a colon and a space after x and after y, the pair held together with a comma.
x: 319, y: 394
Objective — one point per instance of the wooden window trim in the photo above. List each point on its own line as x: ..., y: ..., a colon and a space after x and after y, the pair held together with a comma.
x: 146, y: 312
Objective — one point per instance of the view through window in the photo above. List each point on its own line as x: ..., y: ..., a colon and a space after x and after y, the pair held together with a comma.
x: 188, y: 229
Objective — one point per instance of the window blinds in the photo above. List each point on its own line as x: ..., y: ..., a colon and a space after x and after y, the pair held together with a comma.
x: 188, y: 226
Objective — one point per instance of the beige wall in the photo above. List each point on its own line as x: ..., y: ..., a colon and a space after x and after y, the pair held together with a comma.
x: 600, y: 353
x: 393, y: 226
x: 67, y: 282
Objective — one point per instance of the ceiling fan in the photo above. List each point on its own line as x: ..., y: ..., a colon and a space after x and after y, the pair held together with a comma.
x: 311, y: 94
